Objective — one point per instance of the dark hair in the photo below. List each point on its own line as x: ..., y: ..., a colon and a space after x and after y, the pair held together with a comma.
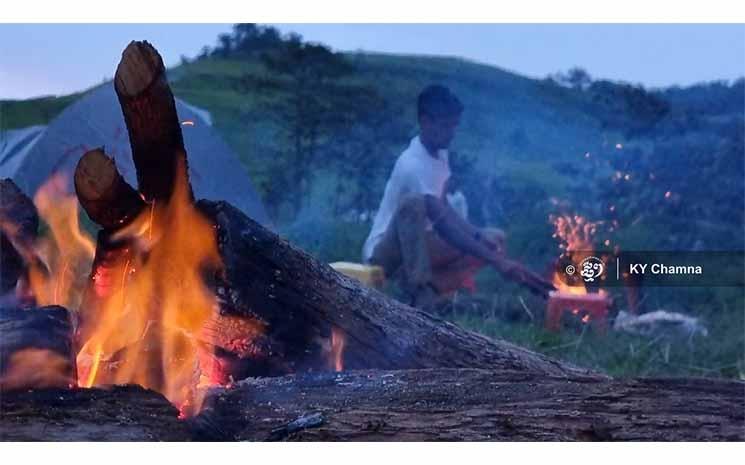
x: 437, y: 101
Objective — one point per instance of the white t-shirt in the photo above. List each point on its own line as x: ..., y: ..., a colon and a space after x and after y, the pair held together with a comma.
x: 415, y: 172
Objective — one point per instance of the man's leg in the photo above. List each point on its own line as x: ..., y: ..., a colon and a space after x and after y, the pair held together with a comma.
x: 403, y: 249
x: 454, y: 270
x: 457, y: 232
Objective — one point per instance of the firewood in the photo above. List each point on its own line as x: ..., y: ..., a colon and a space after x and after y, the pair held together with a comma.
x: 152, y: 123
x: 36, y: 348
x: 299, y: 301
x: 19, y: 224
x: 402, y: 405
x: 120, y: 413
x: 103, y: 193
x: 477, y: 405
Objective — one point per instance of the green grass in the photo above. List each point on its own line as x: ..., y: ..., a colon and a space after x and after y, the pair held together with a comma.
x: 16, y: 114
x: 720, y: 354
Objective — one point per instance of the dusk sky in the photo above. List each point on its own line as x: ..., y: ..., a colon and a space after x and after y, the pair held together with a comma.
x: 58, y: 59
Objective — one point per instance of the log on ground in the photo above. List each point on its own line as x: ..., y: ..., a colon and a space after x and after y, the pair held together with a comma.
x: 36, y: 348
x: 299, y: 301
x: 474, y: 405
x: 121, y: 413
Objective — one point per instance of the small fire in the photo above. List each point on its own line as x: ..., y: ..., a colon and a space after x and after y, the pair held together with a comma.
x: 575, y: 234
x: 336, y: 358
x: 154, y: 304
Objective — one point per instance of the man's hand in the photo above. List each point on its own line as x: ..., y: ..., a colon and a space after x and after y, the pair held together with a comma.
x: 494, y: 239
x: 517, y: 272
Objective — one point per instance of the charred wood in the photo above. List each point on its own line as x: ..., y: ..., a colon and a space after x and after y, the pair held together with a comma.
x: 36, y: 348
x: 478, y: 405
x: 299, y: 301
x: 121, y: 413
x: 19, y: 224
x: 103, y: 193
x: 152, y: 123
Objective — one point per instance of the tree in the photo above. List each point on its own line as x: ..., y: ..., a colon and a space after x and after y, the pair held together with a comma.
x: 226, y: 45
x: 315, y: 105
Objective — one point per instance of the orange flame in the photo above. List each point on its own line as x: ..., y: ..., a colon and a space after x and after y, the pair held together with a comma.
x: 575, y: 234
x: 58, y: 258
x: 146, y: 326
x: 336, y: 355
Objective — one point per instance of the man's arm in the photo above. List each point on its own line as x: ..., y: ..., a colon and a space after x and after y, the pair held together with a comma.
x: 467, y: 238
x: 457, y: 231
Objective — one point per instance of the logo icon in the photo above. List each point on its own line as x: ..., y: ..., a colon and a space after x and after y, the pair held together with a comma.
x: 591, y: 268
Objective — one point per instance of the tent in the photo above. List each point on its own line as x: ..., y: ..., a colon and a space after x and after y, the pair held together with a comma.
x: 30, y: 155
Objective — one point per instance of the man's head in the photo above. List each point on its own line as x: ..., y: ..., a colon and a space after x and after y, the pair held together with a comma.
x: 439, y: 114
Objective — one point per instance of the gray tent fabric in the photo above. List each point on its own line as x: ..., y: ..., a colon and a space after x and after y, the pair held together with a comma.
x: 30, y: 156
x: 14, y: 146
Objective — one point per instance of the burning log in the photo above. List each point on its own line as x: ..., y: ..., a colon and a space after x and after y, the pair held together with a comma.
x: 120, y: 413
x: 19, y: 223
x: 476, y: 405
x: 301, y: 301
x: 150, y: 114
x: 103, y: 192
x: 36, y: 348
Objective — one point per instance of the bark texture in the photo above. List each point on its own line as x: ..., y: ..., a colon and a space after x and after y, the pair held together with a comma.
x: 121, y: 413
x: 474, y: 405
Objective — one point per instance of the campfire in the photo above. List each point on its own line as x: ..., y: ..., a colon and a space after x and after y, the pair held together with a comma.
x: 151, y: 297
x: 577, y: 266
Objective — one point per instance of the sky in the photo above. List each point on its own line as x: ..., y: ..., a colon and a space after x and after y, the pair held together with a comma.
x: 49, y: 59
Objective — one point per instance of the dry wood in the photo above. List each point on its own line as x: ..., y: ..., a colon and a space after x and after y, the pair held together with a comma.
x: 403, y: 405
x: 19, y: 224
x: 36, y: 348
x: 299, y: 300
x: 103, y: 193
x: 152, y: 123
x: 122, y: 413
x: 475, y: 405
